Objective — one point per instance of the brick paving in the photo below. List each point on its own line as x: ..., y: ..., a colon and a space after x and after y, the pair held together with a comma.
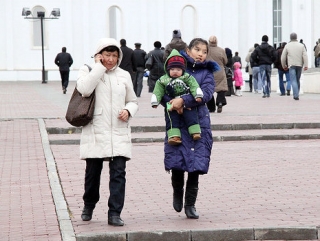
x: 251, y: 185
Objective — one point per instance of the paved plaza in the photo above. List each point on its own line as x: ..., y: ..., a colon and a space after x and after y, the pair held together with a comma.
x: 263, y: 181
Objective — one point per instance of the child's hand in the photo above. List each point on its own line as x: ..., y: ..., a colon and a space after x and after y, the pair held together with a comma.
x: 198, y: 99
x: 180, y: 111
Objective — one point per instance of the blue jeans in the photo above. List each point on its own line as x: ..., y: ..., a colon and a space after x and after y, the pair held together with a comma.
x: 295, y: 74
x: 265, y: 71
x: 281, y: 83
x: 256, y: 78
x: 117, y: 183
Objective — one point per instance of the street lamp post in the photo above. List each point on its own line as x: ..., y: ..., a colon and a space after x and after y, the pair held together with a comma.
x: 41, y: 15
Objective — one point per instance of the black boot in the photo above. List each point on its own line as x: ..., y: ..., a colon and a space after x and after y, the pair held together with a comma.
x: 177, y: 193
x: 178, y: 199
x: 86, y: 214
x: 219, y: 108
x: 190, y: 200
x: 288, y: 92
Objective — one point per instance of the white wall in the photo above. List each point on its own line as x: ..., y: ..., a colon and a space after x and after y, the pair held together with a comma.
x: 238, y: 24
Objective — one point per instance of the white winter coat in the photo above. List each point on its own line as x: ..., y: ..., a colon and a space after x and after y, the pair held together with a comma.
x: 107, y: 136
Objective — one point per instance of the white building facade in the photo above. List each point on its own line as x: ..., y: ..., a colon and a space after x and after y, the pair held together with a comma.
x: 238, y: 24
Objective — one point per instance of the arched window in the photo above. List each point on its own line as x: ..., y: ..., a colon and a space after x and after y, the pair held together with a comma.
x: 189, y: 23
x: 115, y: 22
x: 277, y: 22
x: 37, y: 28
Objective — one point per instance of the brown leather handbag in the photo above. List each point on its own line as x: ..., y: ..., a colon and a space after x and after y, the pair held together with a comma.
x: 80, y: 109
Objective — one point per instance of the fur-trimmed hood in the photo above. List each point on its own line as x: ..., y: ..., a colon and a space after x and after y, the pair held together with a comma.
x: 207, y: 64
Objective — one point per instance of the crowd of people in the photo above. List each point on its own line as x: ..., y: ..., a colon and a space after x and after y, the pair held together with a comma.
x: 289, y: 58
x: 182, y: 79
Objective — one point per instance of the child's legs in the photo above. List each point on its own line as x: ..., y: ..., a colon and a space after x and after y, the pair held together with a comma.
x: 172, y: 123
x: 191, y: 120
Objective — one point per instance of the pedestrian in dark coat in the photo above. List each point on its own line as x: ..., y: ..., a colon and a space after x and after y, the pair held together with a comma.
x: 64, y: 61
x: 281, y: 71
x: 155, y: 65
x: 139, y: 56
x: 264, y: 55
x: 191, y: 156
x: 127, y: 62
x: 229, y: 72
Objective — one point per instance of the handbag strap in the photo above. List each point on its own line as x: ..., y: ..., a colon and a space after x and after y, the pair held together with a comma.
x: 88, y: 67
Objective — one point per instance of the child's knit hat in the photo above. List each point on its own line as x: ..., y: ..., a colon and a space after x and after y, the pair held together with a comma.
x: 176, y: 62
x: 176, y: 33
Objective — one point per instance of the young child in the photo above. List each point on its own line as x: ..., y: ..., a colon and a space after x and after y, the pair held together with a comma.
x: 237, y: 77
x: 176, y: 83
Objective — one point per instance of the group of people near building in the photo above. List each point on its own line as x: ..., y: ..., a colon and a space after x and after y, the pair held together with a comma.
x: 290, y: 59
x: 182, y: 79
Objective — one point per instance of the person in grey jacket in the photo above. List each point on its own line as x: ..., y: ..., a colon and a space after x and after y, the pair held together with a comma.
x: 294, y: 57
x: 108, y: 136
x: 176, y: 43
x: 64, y: 61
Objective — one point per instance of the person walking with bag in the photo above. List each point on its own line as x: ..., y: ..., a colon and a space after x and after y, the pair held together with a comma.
x: 191, y: 156
x: 108, y: 136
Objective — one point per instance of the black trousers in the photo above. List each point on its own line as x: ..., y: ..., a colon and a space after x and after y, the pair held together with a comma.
x: 250, y: 82
x: 178, y: 179
x: 230, y: 87
x: 221, y: 98
x: 64, y: 78
x: 117, y: 183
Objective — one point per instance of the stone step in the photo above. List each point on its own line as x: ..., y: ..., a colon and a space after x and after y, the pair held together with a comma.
x: 73, y: 138
x: 258, y: 126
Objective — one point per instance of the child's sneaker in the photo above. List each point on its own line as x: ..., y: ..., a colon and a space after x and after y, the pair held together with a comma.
x: 196, y: 136
x: 176, y: 140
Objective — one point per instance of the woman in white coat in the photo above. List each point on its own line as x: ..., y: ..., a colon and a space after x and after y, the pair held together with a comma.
x: 108, y: 136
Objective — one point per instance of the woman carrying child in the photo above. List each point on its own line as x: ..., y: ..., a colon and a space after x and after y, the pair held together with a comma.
x: 191, y: 156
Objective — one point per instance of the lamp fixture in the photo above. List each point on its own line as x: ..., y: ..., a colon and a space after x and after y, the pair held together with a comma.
x: 26, y: 12
x: 40, y: 14
x: 56, y: 12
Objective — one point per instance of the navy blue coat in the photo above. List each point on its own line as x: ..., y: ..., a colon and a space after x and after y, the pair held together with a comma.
x: 194, y: 156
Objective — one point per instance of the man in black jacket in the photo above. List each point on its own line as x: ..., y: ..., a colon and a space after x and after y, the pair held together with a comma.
x: 264, y: 55
x: 64, y: 61
x: 127, y: 62
x: 139, y: 56
x: 155, y: 64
